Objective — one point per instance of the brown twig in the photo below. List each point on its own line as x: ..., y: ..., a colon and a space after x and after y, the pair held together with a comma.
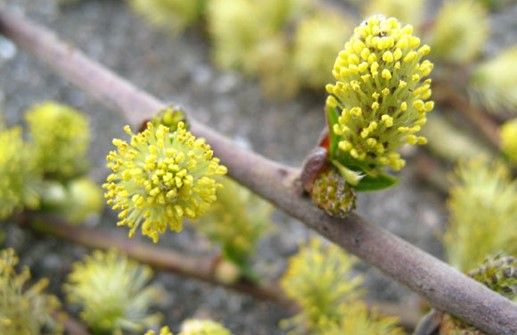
x: 445, y: 288
x: 165, y: 259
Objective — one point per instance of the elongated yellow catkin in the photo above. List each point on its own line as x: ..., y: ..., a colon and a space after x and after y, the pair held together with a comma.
x: 380, y: 93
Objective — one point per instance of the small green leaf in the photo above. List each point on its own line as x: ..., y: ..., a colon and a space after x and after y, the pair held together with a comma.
x: 376, y: 183
x: 352, y: 177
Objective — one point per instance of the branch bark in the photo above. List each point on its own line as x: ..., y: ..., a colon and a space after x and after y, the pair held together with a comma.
x: 445, y: 288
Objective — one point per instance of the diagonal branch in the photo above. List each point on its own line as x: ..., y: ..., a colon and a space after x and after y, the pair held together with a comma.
x: 445, y: 288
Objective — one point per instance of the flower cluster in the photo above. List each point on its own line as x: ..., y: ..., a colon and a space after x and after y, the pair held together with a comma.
x: 24, y: 309
x: 483, y: 213
x: 161, y: 177
x: 61, y: 139
x: 319, y: 279
x: 19, y: 174
x: 110, y: 288
x: 380, y: 95
x: 46, y: 173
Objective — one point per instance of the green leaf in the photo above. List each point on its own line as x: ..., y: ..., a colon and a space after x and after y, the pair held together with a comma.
x: 376, y: 183
x: 332, y: 119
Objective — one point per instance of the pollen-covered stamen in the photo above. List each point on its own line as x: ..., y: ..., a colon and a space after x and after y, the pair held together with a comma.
x: 160, y: 178
x: 380, y: 92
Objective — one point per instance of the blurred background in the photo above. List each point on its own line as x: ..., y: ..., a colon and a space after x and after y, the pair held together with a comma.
x: 256, y: 72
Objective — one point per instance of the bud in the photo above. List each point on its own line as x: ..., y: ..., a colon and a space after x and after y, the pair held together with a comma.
x: 332, y: 193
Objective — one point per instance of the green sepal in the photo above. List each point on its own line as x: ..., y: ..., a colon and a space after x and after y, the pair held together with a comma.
x: 376, y: 183
x: 332, y: 119
x: 363, y: 182
x: 352, y: 177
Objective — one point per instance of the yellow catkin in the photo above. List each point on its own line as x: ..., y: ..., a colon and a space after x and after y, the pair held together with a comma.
x: 380, y: 93
x: 112, y: 293
x: 161, y: 177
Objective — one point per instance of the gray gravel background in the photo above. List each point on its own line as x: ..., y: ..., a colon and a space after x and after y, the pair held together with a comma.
x: 178, y: 70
